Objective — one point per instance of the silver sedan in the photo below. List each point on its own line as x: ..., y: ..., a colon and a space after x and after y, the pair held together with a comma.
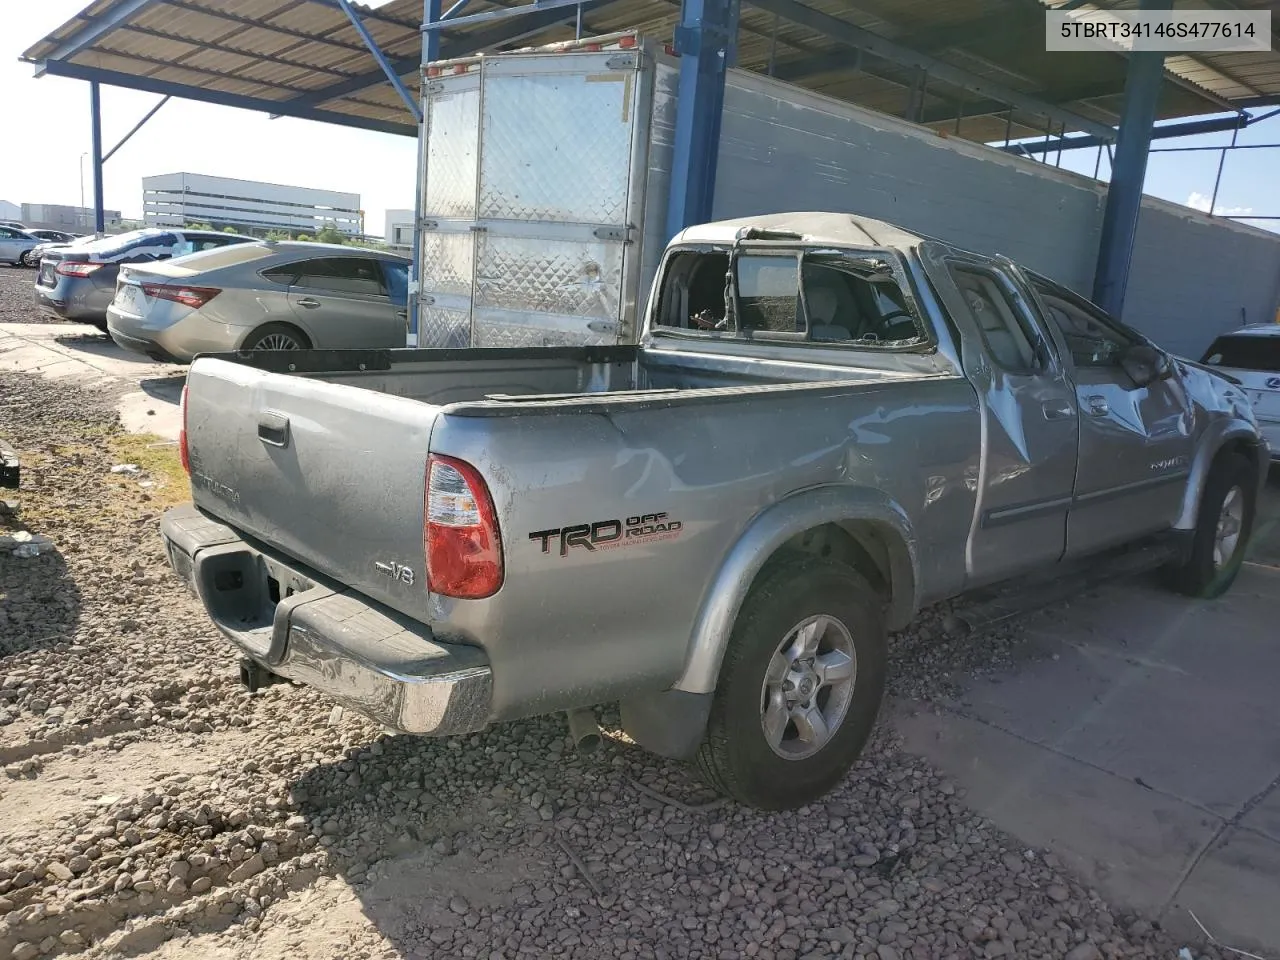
x: 261, y: 296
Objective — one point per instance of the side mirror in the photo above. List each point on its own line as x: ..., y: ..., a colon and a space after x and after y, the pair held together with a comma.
x: 1145, y: 364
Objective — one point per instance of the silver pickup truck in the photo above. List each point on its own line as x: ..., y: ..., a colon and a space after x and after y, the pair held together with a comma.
x: 829, y: 423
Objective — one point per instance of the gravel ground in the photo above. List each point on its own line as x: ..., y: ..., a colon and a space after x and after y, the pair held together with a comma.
x: 15, y: 295
x: 152, y: 808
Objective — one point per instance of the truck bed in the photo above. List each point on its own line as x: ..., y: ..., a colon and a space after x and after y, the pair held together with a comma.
x: 326, y: 464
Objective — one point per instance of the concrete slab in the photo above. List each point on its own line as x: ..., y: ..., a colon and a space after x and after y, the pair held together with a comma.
x: 147, y: 393
x: 1150, y: 685
x: 1133, y: 844
x: 1264, y: 817
x: 1138, y: 740
x: 1234, y: 891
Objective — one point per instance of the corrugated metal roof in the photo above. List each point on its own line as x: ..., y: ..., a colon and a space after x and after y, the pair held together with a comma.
x: 303, y: 57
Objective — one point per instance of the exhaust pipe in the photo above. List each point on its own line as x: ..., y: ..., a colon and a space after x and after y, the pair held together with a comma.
x: 583, y: 729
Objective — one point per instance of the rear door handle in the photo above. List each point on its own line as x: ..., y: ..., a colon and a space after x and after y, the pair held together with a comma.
x: 273, y: 428
x: 1098, y: 406
x: 1058, y: 410
x: 307, y: 302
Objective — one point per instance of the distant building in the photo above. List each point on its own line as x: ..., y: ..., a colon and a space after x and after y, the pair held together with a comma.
x: 59, y: 216
x: 10, y: 211
x: 399, y: 228
x: 175, y: 199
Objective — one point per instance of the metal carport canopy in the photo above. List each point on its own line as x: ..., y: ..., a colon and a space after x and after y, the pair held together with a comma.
x: 975, y: 70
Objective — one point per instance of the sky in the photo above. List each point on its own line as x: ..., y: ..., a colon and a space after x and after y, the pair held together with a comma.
x: 45, y: 123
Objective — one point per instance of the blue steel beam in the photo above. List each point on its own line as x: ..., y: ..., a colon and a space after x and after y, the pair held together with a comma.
x: 430, y: 52
x: 502, y: 13
x: 1124, y: 193
x: 286, y: 108
x: 97, y: 28
x: 450, y: 48
x: 95, y: 129
x: 1188, y: 129
x: 136, y: 127
x: 381, y: 58
x: 705, y: 39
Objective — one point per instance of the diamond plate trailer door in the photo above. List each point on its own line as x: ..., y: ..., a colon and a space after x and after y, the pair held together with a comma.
x: 532, y: 201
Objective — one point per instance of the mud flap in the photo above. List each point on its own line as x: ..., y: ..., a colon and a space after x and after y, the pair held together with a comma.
x: 671, y: 723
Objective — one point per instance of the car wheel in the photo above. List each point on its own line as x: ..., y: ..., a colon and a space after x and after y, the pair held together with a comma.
x: 800, y: 685
x: 26, y: 260
x: 277, y: 336
x: 1223, y: 526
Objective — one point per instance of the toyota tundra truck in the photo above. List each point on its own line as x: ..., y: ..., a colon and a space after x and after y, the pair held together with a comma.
x: 828, y: 423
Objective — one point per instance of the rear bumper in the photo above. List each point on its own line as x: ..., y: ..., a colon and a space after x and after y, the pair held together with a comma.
x: 146, y: 347
x: 176, y: 340
x: 77, y: 300
x: 302, y: 627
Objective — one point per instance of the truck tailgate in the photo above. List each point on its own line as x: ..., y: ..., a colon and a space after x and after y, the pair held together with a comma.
x: 330, y: 475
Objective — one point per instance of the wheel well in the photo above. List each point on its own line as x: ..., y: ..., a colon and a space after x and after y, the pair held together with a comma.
x: 857, y: 544
x: 1238, y: 447
x: 292, y: 327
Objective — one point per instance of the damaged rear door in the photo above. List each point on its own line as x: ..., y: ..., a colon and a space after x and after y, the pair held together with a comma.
x: 1030, y: 423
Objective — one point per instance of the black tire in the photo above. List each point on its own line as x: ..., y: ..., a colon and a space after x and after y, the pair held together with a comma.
x: 735, y: 757
x: 25, y: 260
x: 1199, y: 574
x: 274, y: 333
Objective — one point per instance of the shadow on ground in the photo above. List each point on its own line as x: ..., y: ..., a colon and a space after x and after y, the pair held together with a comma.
x: 166, y: 389
x: 39, y: 602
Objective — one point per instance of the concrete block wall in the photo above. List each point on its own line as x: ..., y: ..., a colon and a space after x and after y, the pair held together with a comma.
x: 784, y: 148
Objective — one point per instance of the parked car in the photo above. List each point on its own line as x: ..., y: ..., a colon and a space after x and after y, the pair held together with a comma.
x: 717, y: 527
x: 1252, y: 356
x: 54, y: 236
x: 262, y: 296
x: 77, y: 281
x: 13, y: 224
x: 16, y: 247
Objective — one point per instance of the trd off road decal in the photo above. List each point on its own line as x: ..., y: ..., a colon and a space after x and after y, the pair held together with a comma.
x: 609, y: 534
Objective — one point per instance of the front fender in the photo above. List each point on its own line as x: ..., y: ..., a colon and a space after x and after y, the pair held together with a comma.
x: 1218, y: 435
x: 768, y: 531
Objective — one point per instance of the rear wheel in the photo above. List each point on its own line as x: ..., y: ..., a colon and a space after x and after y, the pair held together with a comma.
x: 277, y: 336
x: 800, y: 686
x: 1224, y: 524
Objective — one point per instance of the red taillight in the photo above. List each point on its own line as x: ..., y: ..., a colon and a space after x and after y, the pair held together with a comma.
x: 461, y: 537
x: 182, y: 433
x: 77, y: 268
x: 187, y: 296
x: 626, y: 43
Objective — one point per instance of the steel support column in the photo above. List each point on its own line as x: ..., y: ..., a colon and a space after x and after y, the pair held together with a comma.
x: 430, y: 52
x: 380, y: 58
x: 706, y: 39
x: 1124, y: 194
x: 95, y: 121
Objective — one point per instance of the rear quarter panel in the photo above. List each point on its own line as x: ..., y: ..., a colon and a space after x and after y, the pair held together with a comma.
x: 574, y: 625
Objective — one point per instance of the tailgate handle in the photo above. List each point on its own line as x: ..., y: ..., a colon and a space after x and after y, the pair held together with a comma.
x: 273, y: 428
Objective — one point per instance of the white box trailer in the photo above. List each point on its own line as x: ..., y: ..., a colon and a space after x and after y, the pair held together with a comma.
x: 546, y: 176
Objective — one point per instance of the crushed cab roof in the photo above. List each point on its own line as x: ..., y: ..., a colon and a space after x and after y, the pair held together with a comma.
x: 840, y: 229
